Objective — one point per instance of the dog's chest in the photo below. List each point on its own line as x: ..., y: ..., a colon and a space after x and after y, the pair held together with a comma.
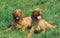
x: 35, y: 23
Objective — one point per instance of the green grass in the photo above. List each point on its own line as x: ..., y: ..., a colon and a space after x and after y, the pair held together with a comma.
x: 50, y: 9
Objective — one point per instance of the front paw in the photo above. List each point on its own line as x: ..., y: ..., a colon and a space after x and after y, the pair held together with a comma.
x: 23, y: 30
x: 6, y: 30
x: 54, y: 27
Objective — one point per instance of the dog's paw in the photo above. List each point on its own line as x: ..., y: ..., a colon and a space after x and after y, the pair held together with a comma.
x: 28, y: 36
x: 5, y: 30
x: 54, y: 27
x: 43, y: 32
x: 23, y: 30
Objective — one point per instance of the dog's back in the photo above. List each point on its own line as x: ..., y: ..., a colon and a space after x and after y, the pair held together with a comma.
x: 27, y: 20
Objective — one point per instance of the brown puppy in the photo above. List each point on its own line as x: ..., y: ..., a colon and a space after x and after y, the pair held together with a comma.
x: 38, y: 23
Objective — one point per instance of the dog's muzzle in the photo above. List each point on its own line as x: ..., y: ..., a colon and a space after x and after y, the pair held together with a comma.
x: 17, y: 18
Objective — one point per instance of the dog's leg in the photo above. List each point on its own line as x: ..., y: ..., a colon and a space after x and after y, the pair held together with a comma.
x: 9, y: 28
x: 43, y: 30
x: 42, y: 26
x: 38, y: 28
x: 18, y: 26
x: 31, y: 32
x: 24, y: 27
x: 48, y: 25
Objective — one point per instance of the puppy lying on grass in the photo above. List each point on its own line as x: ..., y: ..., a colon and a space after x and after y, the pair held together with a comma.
x: 19, y: 21
x: 38, y: 23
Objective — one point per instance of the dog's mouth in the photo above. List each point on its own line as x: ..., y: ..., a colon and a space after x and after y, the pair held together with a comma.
x: 17, y: 18
x: 36, y: 17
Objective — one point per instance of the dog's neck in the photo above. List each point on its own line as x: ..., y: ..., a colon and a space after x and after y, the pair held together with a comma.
x: 35, y: 21
x: 19, y: 22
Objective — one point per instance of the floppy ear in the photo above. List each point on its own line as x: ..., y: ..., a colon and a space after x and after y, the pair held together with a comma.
x: 41, y: 13
x: 32, y: 13
x: 22, y: 15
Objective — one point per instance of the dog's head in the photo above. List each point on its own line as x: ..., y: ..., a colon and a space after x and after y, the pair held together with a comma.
x: 17, y: 15
x: 36, y: 14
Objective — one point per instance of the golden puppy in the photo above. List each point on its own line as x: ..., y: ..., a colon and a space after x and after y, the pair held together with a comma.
x: 19, y: 21
x: 38, y: 23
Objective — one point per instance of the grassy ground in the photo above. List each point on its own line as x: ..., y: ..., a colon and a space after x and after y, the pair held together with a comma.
x: 50, y: 9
